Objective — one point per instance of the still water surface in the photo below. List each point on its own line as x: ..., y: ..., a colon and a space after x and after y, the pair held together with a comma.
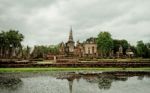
x: 74, y: 82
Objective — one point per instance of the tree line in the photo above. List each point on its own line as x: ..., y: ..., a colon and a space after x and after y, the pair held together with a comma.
x: 10, y: 46
x: 43, y: 51
x: 107, y: 44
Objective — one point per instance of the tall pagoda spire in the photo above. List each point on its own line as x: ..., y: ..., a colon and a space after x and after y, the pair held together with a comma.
x: 70, y: 35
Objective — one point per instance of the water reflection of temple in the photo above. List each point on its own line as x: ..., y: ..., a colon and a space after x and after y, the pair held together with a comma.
x: 71, y: 79
x: 70, y: 84
x: 104, y: 80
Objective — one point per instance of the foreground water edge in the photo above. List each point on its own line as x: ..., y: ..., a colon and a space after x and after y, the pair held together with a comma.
x: 83, y: 81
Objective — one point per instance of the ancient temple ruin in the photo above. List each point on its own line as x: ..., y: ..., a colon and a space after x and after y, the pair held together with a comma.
x: 86, y: 48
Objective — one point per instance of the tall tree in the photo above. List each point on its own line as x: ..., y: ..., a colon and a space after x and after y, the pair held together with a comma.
x: 123, y: 43
x: 10, y: 40
x: 104, y: 43
x: 26, y: 52
x: 148, y: 47
x: 2, y: 38
x: 142, y: 49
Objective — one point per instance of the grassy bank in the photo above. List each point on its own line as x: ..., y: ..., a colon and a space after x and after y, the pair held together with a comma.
x: 70, y: 69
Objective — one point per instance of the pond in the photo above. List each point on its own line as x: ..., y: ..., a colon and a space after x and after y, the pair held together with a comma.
x: 75, y: 82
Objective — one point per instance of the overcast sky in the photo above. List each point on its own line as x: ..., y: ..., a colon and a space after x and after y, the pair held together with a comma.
x: 48, y: 21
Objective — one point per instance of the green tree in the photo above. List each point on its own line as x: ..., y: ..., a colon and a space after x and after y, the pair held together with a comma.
x: 133, y: 48
x: 148, y: 47
x: 26, y: 52
x: 123, y: 43
x: 10, y: 41
x: 142, y: 49
x: 41, y: 51
x: 104, y: 43
x: 2, y: 42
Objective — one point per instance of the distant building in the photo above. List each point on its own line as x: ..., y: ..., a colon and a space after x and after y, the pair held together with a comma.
x: 129, y: 52
x: 87, y: 48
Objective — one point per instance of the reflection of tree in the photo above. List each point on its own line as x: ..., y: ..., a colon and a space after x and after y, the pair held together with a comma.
x: 104, y: 82
x: 148, y: 76
x: 10, y: 83
x: 140, y: 77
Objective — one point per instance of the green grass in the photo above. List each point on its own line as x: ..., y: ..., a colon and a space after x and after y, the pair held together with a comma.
x: 70, y: 69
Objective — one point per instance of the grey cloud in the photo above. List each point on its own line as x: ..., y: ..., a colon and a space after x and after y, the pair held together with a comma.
x: 49, y: 21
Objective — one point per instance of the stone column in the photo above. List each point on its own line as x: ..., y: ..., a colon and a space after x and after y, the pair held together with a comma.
x: 54, y: 58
